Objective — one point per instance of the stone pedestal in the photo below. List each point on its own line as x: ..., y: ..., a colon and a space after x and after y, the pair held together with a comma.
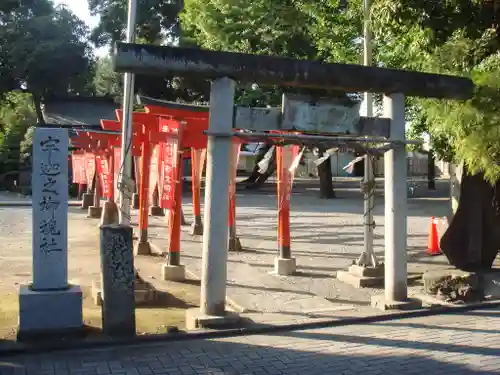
x: 87, y: 200
x: 195, y: 319
x: 362, y: 277
x: 381, y: 303
x: 49, y: 310
x: 142, y: 248
x: 173, y: 273
x: 94, y: 212
x: 285, y: 267
x: 109, y: 213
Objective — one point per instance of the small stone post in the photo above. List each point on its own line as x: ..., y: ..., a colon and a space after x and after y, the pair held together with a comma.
x: 118, y: 280
x: 212, y: 310
x: 395, y: 267
x: 95, y: 211
x: 155, y: 209
x: 87, y: 200
x: 50, y: 304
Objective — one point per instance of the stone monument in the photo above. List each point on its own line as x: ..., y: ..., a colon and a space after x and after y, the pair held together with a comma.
x: 50, y: 303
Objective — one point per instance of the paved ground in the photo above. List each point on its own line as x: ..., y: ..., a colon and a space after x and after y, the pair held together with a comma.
x: 326, y: 236
x: 468, y: 343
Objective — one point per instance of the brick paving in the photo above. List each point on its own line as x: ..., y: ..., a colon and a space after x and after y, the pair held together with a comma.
x: 466, y: 343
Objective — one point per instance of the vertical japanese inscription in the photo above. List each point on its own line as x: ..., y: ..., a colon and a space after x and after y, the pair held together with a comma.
x: 50, y: 208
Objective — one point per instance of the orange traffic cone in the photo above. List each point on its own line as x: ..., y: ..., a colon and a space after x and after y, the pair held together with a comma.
x: 433, y: 240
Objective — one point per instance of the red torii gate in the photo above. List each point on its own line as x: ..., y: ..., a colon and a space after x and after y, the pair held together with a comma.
x: 195, y: 138
x: 286, y: 158
x: 145, y: 138
x: 101, y: 147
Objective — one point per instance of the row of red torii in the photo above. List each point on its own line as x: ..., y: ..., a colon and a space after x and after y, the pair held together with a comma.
x: 162, y: 138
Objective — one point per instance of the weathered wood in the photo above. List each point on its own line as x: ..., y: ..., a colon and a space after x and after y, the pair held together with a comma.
x: 300, y: 113
x: 285, y: 72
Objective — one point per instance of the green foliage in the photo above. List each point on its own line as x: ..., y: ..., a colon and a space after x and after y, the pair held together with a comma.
x: 17, y: 114
x: 156, y: 20
x: 458, y: 37
x: 44, y: 50
x: 106, y: 81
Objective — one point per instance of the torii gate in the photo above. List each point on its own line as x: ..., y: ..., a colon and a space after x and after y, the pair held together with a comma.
x: 101, y: 145
x: 284, y: 72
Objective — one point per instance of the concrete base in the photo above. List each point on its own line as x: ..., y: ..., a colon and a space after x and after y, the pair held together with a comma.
x: 196, y: 320
x: 173, y: 273
x: 285, y: 267
x: 87, y: 200
x: 143, y: 296
x: 235, y: 244
x: 362, y: 277
x: 94, y: 212
x: 379, y: 302
x: 142, y: 248
x: 109, y: 213
x: 156, y: 211
x: 135, y: 201
x: 45, y: 311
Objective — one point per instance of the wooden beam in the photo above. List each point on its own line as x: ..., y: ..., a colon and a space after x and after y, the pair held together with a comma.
x: 285, y: 72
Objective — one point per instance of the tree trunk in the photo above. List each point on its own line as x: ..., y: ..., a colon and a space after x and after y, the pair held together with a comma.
x: 255, y: 173
x: 472, y: 240
x: 325, y: 178
x: 257, y: 179
x: 431, y: 171
x: 37, y: 101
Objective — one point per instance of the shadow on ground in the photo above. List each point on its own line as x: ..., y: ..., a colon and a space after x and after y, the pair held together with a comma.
x: 325, y: 351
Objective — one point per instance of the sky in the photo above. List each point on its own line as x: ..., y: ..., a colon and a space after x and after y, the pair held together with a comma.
x: 81, y: 10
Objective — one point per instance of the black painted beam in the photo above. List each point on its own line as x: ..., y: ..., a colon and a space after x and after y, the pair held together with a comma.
x: 285, y: 72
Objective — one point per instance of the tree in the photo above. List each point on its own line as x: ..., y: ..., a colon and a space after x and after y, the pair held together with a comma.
x: 106, y: 81
x: 460, y: 38
x: 44, y: 50
x: 157, y: 23
x: 284, y: 28
x: 17, y: 114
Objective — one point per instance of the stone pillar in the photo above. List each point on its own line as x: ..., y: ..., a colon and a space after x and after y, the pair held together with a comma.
x: 118, y: 280
x: 87, y: 200
x: 395, y: 191
x: 95, y: 211
x: 50, y: 304
x: 212, y: 312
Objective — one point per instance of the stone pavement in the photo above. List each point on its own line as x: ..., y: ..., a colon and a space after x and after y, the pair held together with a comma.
x: 327, y: 236
x: 468, y: 343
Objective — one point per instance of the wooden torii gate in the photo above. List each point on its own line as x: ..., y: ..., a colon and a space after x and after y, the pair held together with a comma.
x: 284, y: 72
